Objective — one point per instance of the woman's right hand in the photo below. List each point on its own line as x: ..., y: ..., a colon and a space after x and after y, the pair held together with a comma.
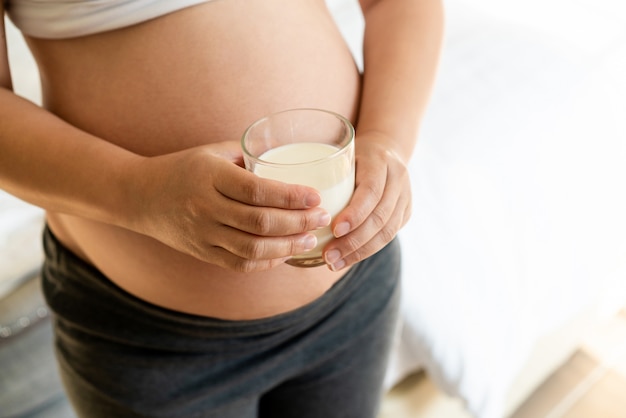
x: 202, y: 202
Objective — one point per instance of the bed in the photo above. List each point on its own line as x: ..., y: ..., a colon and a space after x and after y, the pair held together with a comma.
x: 518, y: 228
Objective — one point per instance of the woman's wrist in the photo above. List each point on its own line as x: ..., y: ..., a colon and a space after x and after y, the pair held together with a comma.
x: 376, y: 141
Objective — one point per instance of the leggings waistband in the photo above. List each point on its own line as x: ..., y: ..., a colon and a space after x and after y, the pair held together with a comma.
x: 110, y: 310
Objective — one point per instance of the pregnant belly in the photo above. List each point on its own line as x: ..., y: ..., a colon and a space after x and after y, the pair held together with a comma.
x: 193, y: 77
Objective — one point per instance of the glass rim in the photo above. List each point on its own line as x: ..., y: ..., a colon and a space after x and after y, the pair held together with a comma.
x: 343, y: 119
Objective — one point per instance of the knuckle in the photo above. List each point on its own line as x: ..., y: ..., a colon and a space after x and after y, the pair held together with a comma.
x: 374, y: 189
x: 291, y: 198
x: 261, y: 222
x: 244, y: 266
x: 294, y: 247
x: 379, y: 218
x: 387, y: 234
x: 357, y: 256
x: 253, y: 191
x: 352, y: 243
x: 306, y: 223
x: 253, y: 249
x: 230, y: 260
x: 358, y: 213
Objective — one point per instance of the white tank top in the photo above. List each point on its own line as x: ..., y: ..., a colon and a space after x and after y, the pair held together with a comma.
x: 57, y: 19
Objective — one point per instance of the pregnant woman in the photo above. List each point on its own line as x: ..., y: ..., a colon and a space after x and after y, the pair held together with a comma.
x: 165, y: 259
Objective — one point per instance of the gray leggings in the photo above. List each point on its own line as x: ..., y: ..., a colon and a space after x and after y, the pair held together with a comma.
x: 122, y: 357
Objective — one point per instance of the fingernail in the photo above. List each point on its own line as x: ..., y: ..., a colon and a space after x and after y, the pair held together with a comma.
x: 323, y: 220
x: 309, y: 242
x: 341, y: 229
x: 332, y: 256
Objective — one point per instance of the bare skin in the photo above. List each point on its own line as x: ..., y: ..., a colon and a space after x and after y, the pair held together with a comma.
x: 141, y: 169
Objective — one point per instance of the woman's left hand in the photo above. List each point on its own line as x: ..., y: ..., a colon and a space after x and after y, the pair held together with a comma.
x: 380, y: 206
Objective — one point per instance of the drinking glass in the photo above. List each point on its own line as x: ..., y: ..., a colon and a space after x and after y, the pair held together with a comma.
x: 312, y: 147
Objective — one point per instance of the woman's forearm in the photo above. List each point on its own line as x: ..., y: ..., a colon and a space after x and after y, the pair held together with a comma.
x: 401, y: 52
x: 51, y: 164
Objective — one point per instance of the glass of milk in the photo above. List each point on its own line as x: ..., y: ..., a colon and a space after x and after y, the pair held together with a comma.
x: 313, y: 147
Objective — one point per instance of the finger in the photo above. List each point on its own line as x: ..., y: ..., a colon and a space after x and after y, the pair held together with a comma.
x: 368, y: 238
x: 250, y: 247
x: 270, y: 222
x: 244, y: 186
x: 230, y: 261
x: 370, y: 187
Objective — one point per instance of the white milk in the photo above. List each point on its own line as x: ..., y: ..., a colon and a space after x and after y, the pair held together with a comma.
x: 332, y: 178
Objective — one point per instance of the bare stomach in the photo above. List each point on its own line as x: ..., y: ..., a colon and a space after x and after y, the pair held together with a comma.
x: 193, y: 77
